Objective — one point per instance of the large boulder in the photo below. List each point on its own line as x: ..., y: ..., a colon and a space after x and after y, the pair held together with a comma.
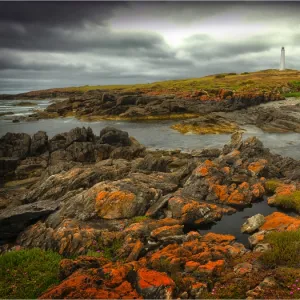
x: 15, y: 145
x: 14, y: 220
x: 253, y: 223
x: 115, y: 137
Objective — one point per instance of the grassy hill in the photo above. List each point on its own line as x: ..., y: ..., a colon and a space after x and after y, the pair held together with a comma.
x: 287, y: 81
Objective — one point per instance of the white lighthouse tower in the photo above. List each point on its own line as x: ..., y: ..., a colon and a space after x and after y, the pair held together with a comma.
x: 282, y: 60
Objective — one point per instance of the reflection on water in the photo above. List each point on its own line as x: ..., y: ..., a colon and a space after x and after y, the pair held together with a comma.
x: 153, y: 134
x: 231, y: 224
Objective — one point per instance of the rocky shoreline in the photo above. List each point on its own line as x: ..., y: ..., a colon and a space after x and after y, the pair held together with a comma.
x: 224, y: 112
x: 79, y: 193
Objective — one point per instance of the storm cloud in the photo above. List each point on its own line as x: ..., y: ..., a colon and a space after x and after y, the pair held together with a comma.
x: 56, y: 44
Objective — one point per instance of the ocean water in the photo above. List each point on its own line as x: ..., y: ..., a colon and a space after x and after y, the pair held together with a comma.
x: 152, y: 134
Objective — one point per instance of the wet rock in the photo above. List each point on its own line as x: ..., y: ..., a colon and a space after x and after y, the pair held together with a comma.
x: 253, y: 223
x: 14, y: 220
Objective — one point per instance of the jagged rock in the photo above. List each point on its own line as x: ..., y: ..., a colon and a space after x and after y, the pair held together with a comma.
x: 15, y: 145
x: 39, y: 143
x: 115, y: 137
x: 154, y: 285
x: 253, y: 223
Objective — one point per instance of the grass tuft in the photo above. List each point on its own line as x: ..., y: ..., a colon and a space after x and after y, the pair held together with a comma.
x: 285, y: 249
x: 290, y: 201
x: 26, y: 274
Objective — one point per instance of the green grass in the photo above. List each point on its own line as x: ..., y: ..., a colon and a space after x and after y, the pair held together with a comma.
x: 264, y: 80
x: 26, y: 274
x: 293, y: 94
x: 291, y: 201
x: 285, y: 250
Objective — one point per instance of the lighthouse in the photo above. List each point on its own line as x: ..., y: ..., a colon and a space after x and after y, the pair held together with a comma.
x: 282, y: 60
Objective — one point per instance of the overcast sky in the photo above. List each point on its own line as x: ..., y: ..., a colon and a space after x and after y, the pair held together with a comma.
x: 57, y: 44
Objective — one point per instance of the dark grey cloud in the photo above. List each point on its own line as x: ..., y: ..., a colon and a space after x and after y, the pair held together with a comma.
x: 55, y: 44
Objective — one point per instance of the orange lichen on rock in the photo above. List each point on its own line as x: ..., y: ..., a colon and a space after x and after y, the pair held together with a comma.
x: 83, y: 285
x: 212, y: 267
x: 115, y: 204
x: 257, y: 166
x: 191, y: 266
x: 221, y: 192
x: 203, y: 169
x: 257, y: 190
x: 114, y: 196
x: 241, y: 195
x: 280, y: 222
x: 165, y: 231
x: 150, y: 278
x: 218, y: 238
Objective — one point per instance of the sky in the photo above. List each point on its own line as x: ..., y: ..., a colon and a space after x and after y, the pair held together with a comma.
x: 58, y: 44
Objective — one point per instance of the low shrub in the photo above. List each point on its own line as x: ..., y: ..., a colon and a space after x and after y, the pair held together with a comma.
x: 285, y: 249
x: 220, y: 76
x: 26, y: 274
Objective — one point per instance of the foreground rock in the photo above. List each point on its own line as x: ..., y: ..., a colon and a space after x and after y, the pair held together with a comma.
x: 133, y: 209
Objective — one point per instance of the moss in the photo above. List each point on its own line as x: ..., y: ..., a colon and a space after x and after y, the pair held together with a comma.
x: 138, y: 219
x: 285, y: 249
x: 272, y: 184
x: 28, y: 273
x: 209, y: 129
x: 289, y: 201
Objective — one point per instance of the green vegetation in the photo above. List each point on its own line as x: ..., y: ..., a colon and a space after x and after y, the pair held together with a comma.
x: 107, y: 251
x: 292, y: 94
x: 295, y: 84
x: 272, y: 184
x: 28, y: 273
x: 290, y: 201
x: 220, y: 76
x: 138, y: 219
x: 285, y: 249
